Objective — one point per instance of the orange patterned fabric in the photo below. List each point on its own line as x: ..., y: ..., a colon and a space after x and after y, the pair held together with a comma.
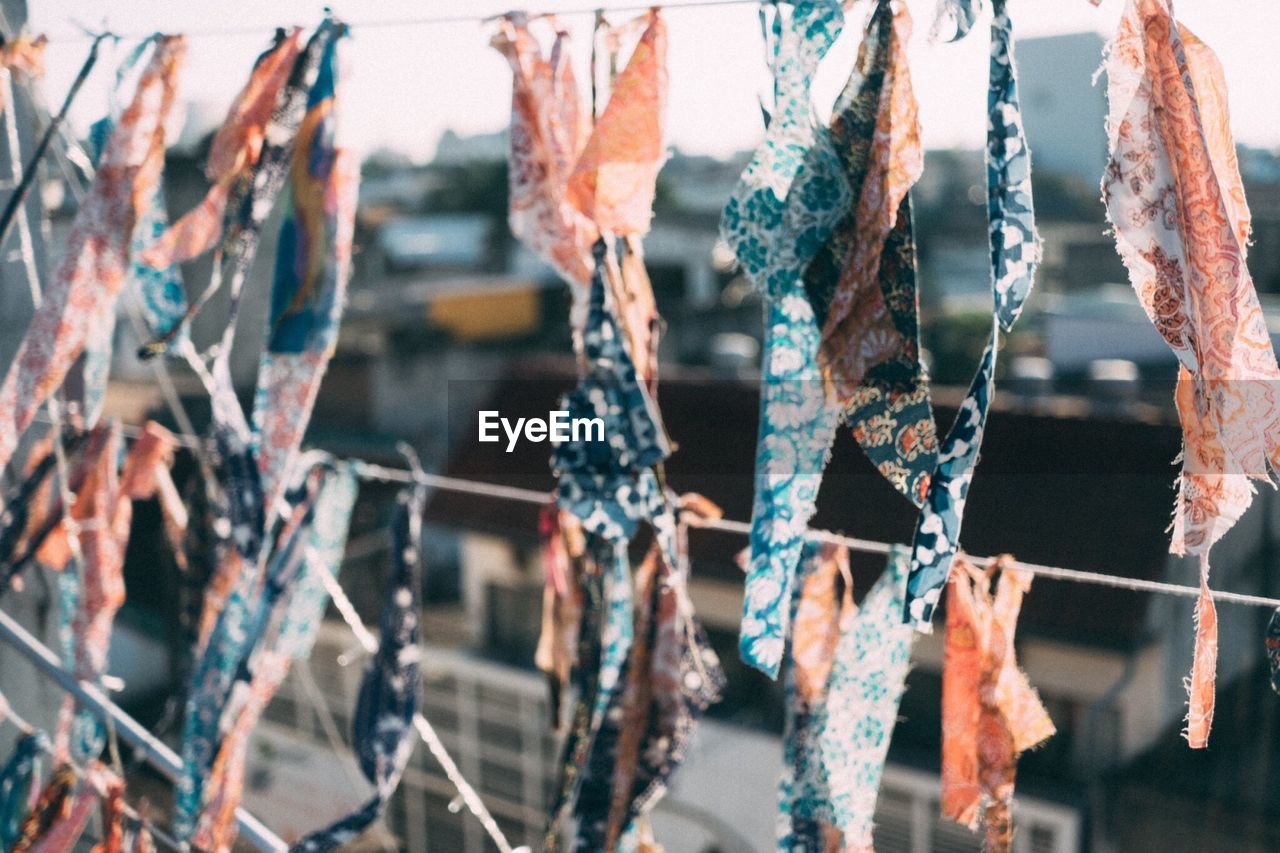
x: 25, y: 54
x: 562, y: 566
x: 614, y: 179
x: 859, y: 330
x: 990, y: 713
x: 820, y: 612
x: 97, y: 255
x: 232, y: 154
x: 1174, y: 194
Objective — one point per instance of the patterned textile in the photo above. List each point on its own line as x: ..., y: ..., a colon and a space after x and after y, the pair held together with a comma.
x: 233, y: 154
x: 62, y: 835
x: 607, y: 481
x: 313, y: 264
x: 1015, y: 251
x: 158, y: 292
x: 667, y: 681
x: 19, y: 782
x: 959, y: 16
x: 1175, y: 199
x: 253, y: 189
x: 990, y: 713
x: 613, y: 182
x: 382, y: 730
x: 785, y: 207
x: 92, y: 590
x: 548, y: 130
x: 280, y: 625
x: 848, y: 666
x: 112, y: 817
x: 96, y: 260
x: 562, y: 549
x: 25, y: 520
x: 878, y: 137
x: 51, y: 806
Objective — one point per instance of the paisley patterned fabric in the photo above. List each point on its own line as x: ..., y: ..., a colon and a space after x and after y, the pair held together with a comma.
x: 19, y: 782
x: 607, y: 481
x: 382, y: 730
x: 50, y: 807
x: 62, y: 835
x: 313, y: 265
x: 1015, y: 251
x: 848, y: 667
x: 614, y: 178
x: 96, y: 261
x: 990, y: 713
x: 1175, y: 199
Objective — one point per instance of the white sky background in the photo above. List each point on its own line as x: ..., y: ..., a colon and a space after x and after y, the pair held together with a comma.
x: 410, y: 82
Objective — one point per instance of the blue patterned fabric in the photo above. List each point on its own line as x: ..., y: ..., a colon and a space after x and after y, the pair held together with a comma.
x: 1273, y: 649
x: 1014, y: 254
x: 835, y: 743
x: 607, y: 482
x: 382, y: 731
x: 18, y: 778
x: 786, y: 206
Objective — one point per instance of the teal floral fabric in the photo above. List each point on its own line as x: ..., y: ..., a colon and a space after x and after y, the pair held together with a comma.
x: 836, y: 740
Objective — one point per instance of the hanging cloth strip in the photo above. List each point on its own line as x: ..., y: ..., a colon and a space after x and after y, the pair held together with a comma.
x: 1272, y: 645
x: 670, y: 677
x: 775, y: 222
x: 92, y: 592
x: 20, y: 784
x: 835, y: 268
x: 615, y: 180
x: 63, y: 834
x: 51, y: 806
x: 24, y: 519
x: 24, y: 54
x: 258, y: 634
x: 158, y: 292
x: 990, y: 713
x: 313, y: 265
x: 548, y: 130
x: 1015, y: 251
x: 96, y: 262
x: 1175, y: 199
x: 382, y: 730
x: 563, y: 550
x: 233, y: 156
x: 844, y: 684
x: 254, y: 189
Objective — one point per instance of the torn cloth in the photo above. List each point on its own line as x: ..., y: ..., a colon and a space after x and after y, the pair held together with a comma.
x: 96, y: 259
x: 1015, y: 251
x: 1175, y: 199
x: 990, y: 713
x: 848, y: 668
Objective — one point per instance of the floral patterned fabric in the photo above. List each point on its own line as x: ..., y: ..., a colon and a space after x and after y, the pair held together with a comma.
x: 96, y: 261
x: 607, y: 482
x: 613, y: 181
x: 1015, y: 251
x: 313, y: 265
x: 382, y: 730
x: 1175, y: 199
x: 990, y: 713
x: 786, y: 205
x: 848, y: 667
x: 548, y: 130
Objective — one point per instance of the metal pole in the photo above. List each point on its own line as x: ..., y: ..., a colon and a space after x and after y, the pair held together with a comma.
x: 154, y: 751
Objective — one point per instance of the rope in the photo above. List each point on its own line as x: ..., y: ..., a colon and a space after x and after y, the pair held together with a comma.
x: 418, y: 21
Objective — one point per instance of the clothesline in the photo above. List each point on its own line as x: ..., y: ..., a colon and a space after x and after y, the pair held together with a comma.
x: 424, y: 20
x: 383, y: 473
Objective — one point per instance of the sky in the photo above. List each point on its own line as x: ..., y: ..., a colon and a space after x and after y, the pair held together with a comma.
x: 411, y: 81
